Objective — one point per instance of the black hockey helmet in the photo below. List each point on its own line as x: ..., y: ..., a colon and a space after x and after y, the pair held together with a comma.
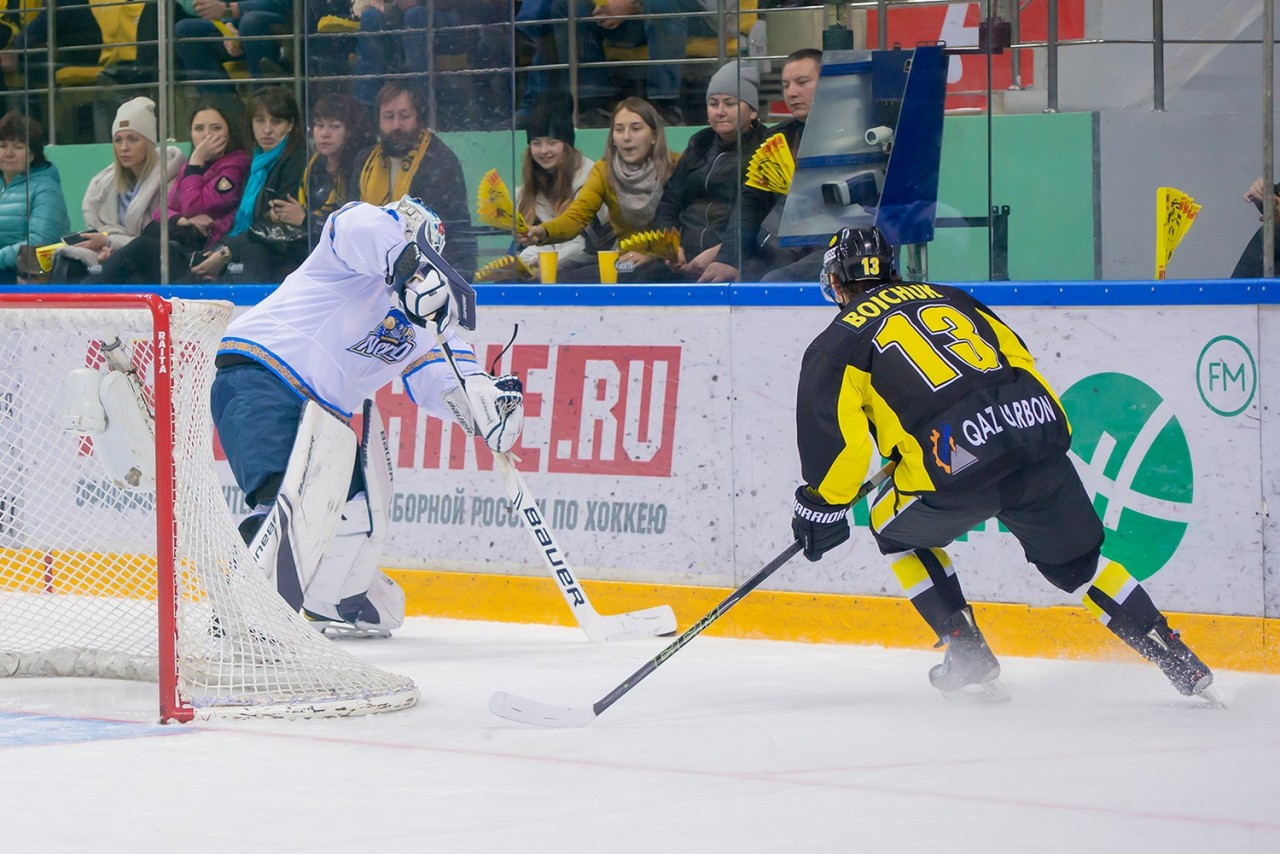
x: 856, y: 255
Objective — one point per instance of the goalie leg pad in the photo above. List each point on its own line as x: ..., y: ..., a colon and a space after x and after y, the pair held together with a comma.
x: 299, y: 528
x: 349, y: 569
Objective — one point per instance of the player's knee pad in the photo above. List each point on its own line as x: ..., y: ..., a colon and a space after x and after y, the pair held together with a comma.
x: 1073, y: 574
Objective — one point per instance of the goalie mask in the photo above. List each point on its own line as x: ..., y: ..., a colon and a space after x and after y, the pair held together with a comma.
x: 857, y: 259
x: 421, y: 225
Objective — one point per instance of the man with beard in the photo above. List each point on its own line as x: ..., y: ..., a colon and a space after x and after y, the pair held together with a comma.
x: 410, y: 159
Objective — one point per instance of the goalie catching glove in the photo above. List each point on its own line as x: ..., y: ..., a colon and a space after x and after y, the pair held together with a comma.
x: 491, y: 408
x: 819, y: 526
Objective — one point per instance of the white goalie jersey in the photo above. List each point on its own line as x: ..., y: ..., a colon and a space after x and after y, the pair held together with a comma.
x: 334, y: 329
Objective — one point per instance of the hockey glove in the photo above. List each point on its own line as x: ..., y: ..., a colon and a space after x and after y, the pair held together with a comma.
x: 819, y: 526
x: 490, y: 408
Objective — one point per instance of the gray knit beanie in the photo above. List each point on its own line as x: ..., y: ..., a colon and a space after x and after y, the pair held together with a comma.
x: 738, y: 78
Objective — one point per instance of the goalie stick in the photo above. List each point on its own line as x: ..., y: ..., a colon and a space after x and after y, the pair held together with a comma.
x: 659, y: 620
x: 526, y: 711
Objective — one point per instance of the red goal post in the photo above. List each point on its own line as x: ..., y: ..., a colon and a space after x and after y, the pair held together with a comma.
x: 102, y: 578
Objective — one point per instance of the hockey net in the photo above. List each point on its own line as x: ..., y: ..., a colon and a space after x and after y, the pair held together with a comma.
x: 152, y: 583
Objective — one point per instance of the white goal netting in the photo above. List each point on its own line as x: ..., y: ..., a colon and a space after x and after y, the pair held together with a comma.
x: 84, y: 589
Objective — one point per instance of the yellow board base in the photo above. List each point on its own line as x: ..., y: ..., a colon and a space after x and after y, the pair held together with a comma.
x: 1229, y: 642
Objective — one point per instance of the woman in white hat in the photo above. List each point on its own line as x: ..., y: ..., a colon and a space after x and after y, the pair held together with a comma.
x: 122, y: 198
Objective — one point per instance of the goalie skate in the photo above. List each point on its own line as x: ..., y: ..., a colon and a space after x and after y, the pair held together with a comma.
x: 335, y: 627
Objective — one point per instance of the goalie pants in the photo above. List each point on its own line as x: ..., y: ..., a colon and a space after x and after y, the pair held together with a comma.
x: 256, y: 415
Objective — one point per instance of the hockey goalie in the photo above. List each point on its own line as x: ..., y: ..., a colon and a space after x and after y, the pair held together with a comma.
x: 294, y: 369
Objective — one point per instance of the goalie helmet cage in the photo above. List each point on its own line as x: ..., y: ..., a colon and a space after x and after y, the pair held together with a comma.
x: 97, y: 579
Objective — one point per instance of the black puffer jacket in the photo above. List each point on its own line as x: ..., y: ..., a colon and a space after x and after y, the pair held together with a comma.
x: 702, y: 193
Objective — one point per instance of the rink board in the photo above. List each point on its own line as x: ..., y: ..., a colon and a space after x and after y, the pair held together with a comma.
x: 662, y: 443
x: 659, y: 441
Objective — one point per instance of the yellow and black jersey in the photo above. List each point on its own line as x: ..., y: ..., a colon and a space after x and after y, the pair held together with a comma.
x: 936, y: 380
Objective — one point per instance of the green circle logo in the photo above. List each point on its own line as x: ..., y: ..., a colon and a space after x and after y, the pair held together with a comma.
x: 1137, y: 463
x: 1226, y: 376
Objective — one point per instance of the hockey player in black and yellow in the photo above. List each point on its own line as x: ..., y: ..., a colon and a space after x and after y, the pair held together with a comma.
x: 929, y: 377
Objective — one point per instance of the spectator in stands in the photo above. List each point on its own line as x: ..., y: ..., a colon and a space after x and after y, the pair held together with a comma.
x: 121, y: 199
x: 627, y: 182
x: 337, y: 134
x: 32, y: 210
x: 552, y: 174
x: 754, y: 246
x: 225, y: 31
x: 626, y: 22
x: 1250, y: 264
x: 268, y: 249
x: 701, y: 198
x: 410, y: 159
x: 202, y: 202
x: 78, y: 36
x: 392, y: 39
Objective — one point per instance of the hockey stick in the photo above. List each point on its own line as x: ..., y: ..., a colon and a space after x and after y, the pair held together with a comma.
x: 527, y: 711
x: 659, y: 620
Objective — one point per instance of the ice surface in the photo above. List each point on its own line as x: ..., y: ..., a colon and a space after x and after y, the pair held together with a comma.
x: 731, y: 746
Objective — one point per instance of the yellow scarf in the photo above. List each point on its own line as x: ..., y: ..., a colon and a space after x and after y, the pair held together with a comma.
x: 333, y: 201
x: 375, y: 178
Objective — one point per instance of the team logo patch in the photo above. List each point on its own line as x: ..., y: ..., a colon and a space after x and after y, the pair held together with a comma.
x: 949, y: 456
x: 390, y: 341
x: 224, y: 185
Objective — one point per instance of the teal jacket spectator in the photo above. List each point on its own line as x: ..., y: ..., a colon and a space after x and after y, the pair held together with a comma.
x: 32, y: 209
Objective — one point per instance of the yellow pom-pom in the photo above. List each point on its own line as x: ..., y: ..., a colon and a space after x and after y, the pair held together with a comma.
x: 494, y: 205
x: 663, y: 244
x: 772, y: 167
x: 505, y: 269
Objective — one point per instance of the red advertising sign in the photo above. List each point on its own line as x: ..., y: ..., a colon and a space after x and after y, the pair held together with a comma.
x: 611, y: 410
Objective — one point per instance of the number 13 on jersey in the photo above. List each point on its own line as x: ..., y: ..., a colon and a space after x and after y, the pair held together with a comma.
x: 938, y: 341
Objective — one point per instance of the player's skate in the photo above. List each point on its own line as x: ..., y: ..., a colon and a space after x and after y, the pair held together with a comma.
x: 968, y: 668
x: 1164, y: 647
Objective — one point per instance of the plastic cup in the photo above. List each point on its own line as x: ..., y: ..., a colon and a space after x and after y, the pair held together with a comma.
x: 547, y: 259
x: 44, y: 255
x: 608, y: 267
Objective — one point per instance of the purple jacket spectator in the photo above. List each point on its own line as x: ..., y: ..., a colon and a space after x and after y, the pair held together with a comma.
x: 213, y: 189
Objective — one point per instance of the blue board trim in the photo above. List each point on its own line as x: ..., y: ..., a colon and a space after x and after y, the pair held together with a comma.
x: 1118, y: 293
x: 824, y: 161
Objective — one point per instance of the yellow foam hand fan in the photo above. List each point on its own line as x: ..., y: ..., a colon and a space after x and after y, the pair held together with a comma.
x: 494, y: 206
x: 772, y: 167
x: 663, y: 244
x: 505, y: 269
x: 1175, y: 213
